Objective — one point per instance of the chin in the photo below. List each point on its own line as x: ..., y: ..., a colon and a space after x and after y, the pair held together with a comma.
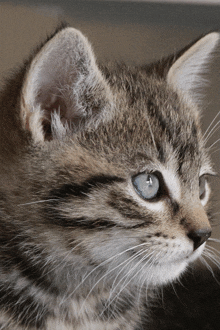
x: 197, y: 253
x: 164, y: 273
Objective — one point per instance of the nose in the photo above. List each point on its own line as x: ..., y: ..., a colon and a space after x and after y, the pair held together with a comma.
x: 199, y: 236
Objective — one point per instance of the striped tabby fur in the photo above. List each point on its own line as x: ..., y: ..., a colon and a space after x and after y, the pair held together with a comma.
x: 81, y: 247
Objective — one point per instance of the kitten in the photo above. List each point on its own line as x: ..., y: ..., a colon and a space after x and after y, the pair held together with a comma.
x: 104, y: 191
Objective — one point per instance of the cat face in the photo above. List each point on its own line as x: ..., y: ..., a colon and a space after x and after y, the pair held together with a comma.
x: 112, y: 166
x: 135, y: 189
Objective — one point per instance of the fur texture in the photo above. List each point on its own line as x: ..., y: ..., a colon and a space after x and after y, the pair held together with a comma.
x: 80, y: 245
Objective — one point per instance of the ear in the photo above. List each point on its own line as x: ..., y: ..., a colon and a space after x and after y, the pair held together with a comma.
x: 64, y: 89
x: 185, y: 74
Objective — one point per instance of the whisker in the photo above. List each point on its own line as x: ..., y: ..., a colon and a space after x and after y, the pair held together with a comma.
x: 102, y: 277
x: 124, y: 278
x: 36, y: 202
x: 210, y: 124
x: 110, y: 301
x: 122, y: 269
x: 212, y: 145
x: 95, y: 269
x: 213, y: 251
x: 64, y: 259
x: 127, y: 275
x: 211, y: 254
x: 212, y: 131
x: 214, y: 240
x: 208, y: 247
x: 212, y: 258
x: 140, y: 293
x: 151, y: 132
x: 208, y: 266
x: 210, y: 251
x: 104, y: 263
x: 131, y: 270
x: 173, y: 287
x: 214, y: 151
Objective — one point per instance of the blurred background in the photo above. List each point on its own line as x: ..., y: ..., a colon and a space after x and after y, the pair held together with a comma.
x: 133, y: 32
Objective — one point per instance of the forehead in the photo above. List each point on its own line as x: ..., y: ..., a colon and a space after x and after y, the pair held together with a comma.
x: 151, y: 124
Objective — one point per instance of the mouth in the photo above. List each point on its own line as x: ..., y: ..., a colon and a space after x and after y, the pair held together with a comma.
x: 196, y: 253
x: 166, y: 271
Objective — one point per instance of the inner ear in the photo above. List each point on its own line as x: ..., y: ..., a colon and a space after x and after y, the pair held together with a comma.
x: 63, y: 89
x: 185, y: 75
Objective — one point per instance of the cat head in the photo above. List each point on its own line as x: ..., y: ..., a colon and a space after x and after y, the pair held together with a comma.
x: 114, y: 162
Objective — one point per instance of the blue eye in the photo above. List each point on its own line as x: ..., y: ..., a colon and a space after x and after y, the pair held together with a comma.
x: 146, y: 185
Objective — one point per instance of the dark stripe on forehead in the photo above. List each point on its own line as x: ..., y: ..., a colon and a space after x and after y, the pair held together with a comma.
x: 81, y: 190
x: 181, y: 134
x: 161, y: 153
x: 164, y: 122
x: 187, y: 152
